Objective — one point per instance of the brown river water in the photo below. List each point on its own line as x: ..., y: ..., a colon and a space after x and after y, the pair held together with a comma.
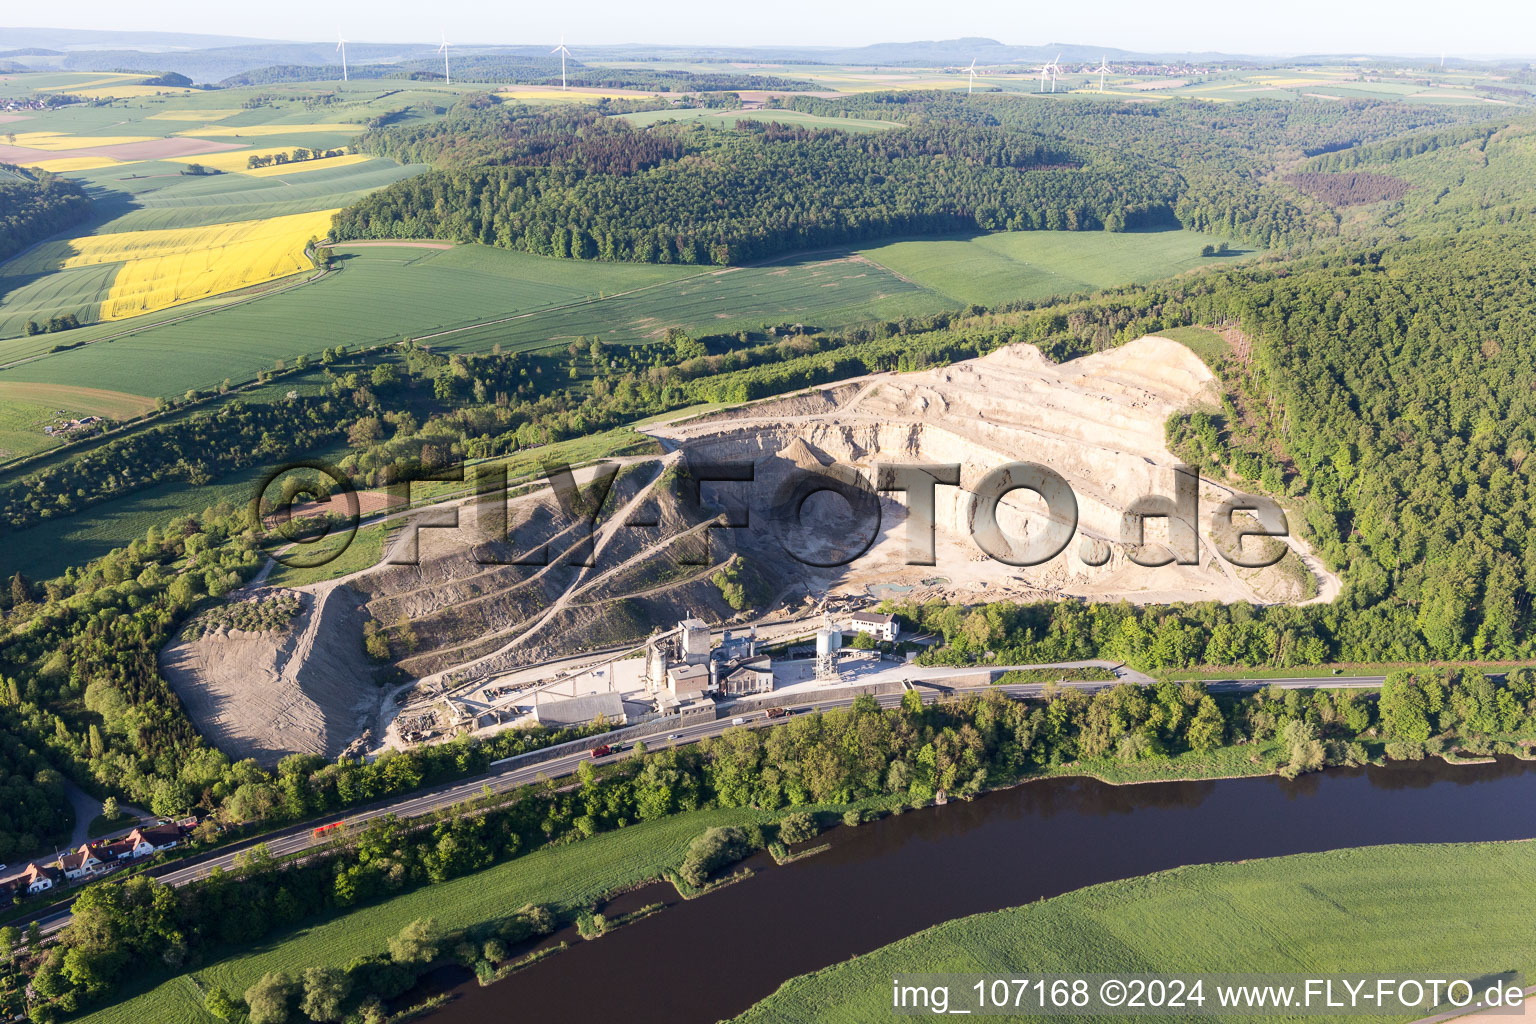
x: 708, y: 959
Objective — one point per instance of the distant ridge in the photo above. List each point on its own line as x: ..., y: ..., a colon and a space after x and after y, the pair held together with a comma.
x: 210, y: 58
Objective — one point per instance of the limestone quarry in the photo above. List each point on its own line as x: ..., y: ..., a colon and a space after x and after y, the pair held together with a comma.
x: 650, y: 555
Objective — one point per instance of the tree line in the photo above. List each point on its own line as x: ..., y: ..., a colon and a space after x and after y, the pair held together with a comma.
x: 34, y: 205
x: 907, y: 754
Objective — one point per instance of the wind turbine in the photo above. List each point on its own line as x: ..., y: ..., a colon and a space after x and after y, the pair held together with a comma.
x: 563, y: 52
x: 341, y: 45
x: 1051, y: 69
x: 447, y: 78
x: 1102, y: 69
x: 972, y: 72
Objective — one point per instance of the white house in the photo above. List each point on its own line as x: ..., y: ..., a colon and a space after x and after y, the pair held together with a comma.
x: 881, y: 627
x: 142, y: 842
x: 80, y: 863
x: 38, y: 878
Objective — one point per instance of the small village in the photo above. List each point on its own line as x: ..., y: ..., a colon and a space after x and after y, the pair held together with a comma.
x: 94, y: 859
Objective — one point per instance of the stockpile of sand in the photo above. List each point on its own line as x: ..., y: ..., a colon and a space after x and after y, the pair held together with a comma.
x: 306, y: 689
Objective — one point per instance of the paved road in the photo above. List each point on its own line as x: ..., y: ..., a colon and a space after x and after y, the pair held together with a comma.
x: 299, y: 838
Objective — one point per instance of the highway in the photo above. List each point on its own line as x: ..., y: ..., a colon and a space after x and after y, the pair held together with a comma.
x: 296, y: 839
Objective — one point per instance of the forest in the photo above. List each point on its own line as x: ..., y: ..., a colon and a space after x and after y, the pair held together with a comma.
x: 577, y: 185
x: 905, y: 754
x: 34, y: 808
x: 695, y: 195
x: 1225, y: 154
x: 34, y: 206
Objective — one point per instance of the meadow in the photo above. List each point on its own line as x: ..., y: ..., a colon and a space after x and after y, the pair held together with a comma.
x: 472, y: 298
x: 47, y: 550
x: 990, y: 269
x: 1409, y: 909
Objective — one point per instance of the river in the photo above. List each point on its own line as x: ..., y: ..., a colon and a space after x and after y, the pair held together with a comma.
x: 711, y: 958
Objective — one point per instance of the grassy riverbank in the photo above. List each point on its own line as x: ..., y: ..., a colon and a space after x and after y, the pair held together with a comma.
x: 569, y: 878
x: 1428, y: 909
x: 563, y: 877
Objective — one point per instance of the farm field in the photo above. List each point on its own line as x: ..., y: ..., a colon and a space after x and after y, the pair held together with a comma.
x: 471, y: 298
x: 385, y: 293
x: 566, y: 876
x: 274, y: 214
x: 137, y: 156
x: 164, y: 267
x: 1415, y: 908
x: 25, y: 409
x: 989, y: 269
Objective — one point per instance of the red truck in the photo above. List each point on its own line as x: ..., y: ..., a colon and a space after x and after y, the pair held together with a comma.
x: 602, y: 751
x: 325, y: 830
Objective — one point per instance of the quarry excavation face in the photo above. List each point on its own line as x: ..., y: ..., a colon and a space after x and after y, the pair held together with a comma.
x: 663, y: 539
x: 1105, y: 513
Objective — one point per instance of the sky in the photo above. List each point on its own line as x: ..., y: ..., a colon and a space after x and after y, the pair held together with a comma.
x: 1418, y: 27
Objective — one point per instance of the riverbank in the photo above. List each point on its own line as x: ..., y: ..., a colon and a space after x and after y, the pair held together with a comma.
x: 573, y: 877
x: 1430, y: 909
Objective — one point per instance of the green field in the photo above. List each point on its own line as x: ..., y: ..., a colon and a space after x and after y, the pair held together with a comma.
x: 26, y: 409
x: 566, y: 876
x: 387, y: 293
x: 471, y: 298
x: 1202, y: 341
x: 1464, y: 908
x: 149, y: 194
x: 157, y: 196
x: 990, y: 269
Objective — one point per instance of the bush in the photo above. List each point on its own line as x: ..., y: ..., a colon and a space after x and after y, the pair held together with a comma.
x: 854, y: 817
x: 798, y: 827
x: 416, y: 943
x: 712, y: 850
x: 268, y: 999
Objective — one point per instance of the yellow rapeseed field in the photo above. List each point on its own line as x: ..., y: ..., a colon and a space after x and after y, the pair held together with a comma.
x: 115, y: 92
x: 239, y: 159
x: 170, y: 266
x: 572, y: 95
x: 306, y: 165
x: 104, y: 78
x: 178, y: 265
x: 256, y: 130
x: 58, y: 142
